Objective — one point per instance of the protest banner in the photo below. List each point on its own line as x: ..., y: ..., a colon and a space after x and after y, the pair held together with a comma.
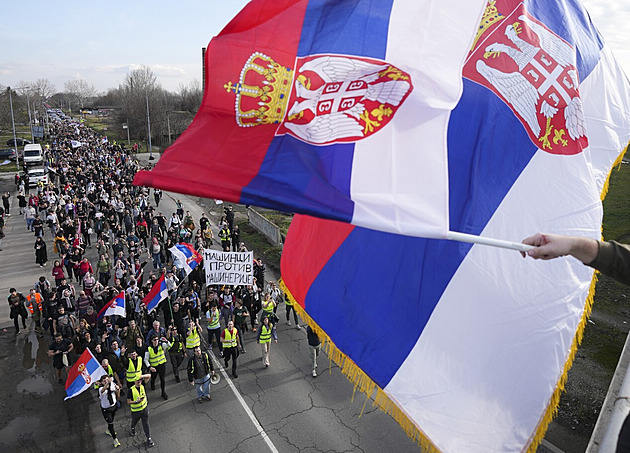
x: 228, y: 268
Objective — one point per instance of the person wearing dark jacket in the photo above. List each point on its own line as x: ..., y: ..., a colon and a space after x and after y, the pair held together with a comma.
x: 200, y: 368
x: 16, y: 304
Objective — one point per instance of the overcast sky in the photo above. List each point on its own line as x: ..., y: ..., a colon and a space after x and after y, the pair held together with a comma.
x: 100, y: 42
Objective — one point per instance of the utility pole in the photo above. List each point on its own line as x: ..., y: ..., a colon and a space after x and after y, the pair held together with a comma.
x: 146, y: 93
x: 17, y: 154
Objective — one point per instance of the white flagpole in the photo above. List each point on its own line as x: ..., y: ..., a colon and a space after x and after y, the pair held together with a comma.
x: 463, y: 237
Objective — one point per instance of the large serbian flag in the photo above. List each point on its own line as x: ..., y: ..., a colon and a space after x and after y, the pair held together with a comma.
x: 333, y: 109
x: 468, y: 346
x: 83, y: 374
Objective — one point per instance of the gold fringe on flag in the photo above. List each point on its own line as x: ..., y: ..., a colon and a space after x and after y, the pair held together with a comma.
x: 552, y: 407
x: 362, y: 381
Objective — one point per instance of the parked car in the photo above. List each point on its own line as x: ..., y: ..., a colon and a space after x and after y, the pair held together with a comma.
x: 8, y: 153
x: 18, y: 142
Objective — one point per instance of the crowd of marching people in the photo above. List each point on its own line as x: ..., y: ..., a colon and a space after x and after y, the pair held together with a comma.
x: 91, y: 203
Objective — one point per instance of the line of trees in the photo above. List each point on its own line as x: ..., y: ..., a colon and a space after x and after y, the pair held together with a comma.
x: 170, y: 113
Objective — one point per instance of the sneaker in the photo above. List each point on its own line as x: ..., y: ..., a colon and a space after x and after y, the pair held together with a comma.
x: 133, y: 431
x: 177, y: 379
x: 234, y: 374
x: 298, y: 327
x: 226, y: 363
x: 60, y: 380
x: 164, y: 396
x: 150, y: 442
x: 266, y: 365
x: 288, y: 322
x: 200, y: 399
x: 208, y: 398
x: 314, y: 373
x: 107, y: 432
x: 116, y: 443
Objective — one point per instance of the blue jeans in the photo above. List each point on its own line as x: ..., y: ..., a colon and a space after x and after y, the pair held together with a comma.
x: 29, y: 223
x: 157, y: 262
x: 203, y: 386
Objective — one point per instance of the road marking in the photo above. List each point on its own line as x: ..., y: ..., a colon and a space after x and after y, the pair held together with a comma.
x: 248, y: 411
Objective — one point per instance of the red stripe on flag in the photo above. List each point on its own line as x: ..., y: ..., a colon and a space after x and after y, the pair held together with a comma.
x: 319, y: 239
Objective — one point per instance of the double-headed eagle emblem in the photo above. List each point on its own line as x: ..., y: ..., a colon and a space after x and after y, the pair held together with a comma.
x: 542, y: 84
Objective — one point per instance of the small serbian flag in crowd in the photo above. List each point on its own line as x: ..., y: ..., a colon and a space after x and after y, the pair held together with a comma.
x: 83, y: 374
x: 116, y: 306
x: 158, y: 293
x: 185, y: 257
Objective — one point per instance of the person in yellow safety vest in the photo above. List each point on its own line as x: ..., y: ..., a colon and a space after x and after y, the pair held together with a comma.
x: 137, y: 400
x: 214, y: 327
x: 229, y: 339
x: 155, y: 361
x: 132, y: 364
x: 34, y: 304
x: 268, y: 306
x: 288, y: 303
x: 192, y: 337
x: 266, y: 331
x: 175, y: 350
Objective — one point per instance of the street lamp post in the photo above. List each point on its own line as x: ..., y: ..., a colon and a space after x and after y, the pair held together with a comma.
x: 17, y: 154
x: 28, y: 106
x: 146, y: 93
x: 126, y: 126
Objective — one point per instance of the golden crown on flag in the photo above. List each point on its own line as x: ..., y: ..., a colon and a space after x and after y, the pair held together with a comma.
x: 490, y: 17
x: 262, y: 91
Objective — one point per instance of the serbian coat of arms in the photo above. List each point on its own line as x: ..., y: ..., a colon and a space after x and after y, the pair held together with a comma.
x: 325, y: 99
x: 533, y: 71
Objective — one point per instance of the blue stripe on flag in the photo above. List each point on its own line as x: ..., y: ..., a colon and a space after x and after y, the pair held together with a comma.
x: 301, y: 164
x: 347, y: 27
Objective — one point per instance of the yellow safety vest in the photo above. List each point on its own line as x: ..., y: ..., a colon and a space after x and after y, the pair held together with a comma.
x: 135, y: 393
x: 133, y: 373
x: 214, y: 320
x: 265, y: 334
x: 288, y: 301
x: 269, y: 307
x: 193, y: 340
x: 156, y: 358
x: 229, y: 339
x: 177, y: 345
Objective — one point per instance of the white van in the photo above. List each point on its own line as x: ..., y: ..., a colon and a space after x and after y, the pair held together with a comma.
x: 37, y: 174
x: 33, y: 154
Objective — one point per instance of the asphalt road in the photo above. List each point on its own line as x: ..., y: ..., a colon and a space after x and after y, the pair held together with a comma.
x: 279, y: 409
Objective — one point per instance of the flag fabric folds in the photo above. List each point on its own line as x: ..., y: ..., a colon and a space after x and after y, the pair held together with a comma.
x: 331, y: 109
x: 185, y: 257
x: 83, y: 374
x: 159, y: 292
x: 468, y: 346
x: 115, y: 307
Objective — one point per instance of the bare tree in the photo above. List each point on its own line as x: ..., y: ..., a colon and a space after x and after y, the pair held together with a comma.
x: 190, y: 96
x: 44, y: 88
x: 80, y: 90
x: 139, y: 88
